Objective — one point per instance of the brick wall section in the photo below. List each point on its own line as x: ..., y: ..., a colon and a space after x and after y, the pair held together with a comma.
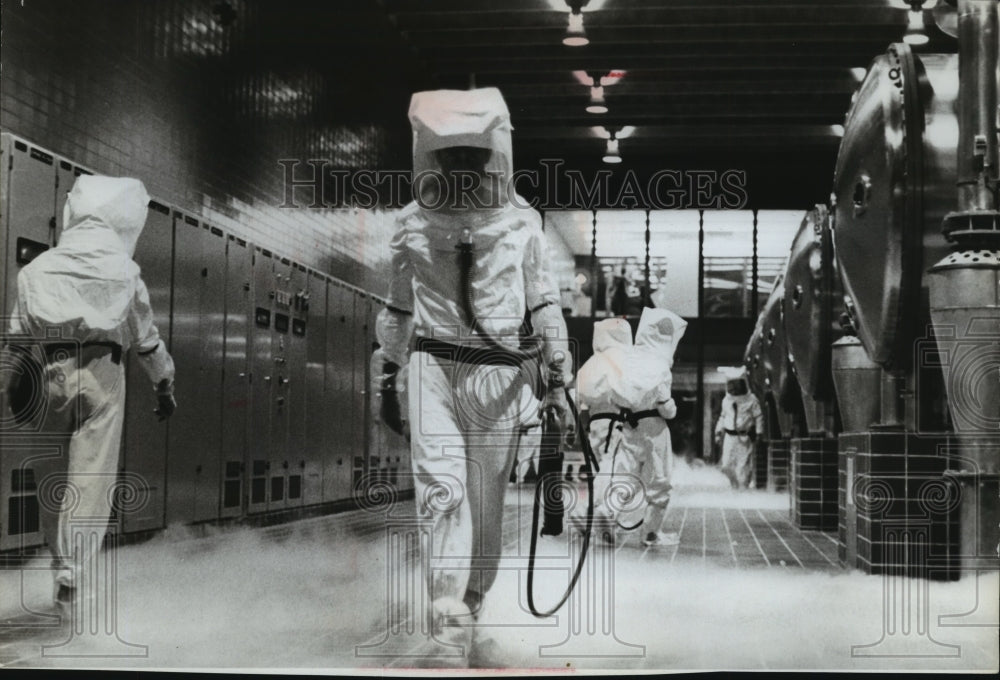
x: 898, y: 510
x: 158, y: 91
x: 760, y: 465
x: 813, y: 483
x: 778, y: 452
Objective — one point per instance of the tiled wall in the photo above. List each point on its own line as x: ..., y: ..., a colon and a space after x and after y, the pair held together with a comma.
x: 778, y: 454
x: 898, y: 508
x: 812, y: 482
x: 185, y: 95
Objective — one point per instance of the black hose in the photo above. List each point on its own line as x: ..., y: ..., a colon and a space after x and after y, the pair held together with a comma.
x: 531, y: 352
x: 613, y: 457
x: 588, y: 454
x: 630, y: 528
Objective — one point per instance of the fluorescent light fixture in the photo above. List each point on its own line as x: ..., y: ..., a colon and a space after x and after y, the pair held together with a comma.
x: 612, y: 155
x: 575, y: 35
x: 915, y: 29
x: 561, y: 5
x: 597, y: 100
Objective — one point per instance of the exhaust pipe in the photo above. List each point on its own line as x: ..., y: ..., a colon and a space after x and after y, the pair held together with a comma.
x: 964, y: 287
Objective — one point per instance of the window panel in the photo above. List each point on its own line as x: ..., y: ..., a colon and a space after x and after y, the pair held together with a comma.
x: 673, y: 254
x: 775, y: 231
x: 728, y: 253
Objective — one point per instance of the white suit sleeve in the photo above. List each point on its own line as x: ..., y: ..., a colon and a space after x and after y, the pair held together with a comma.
x: 542, y: 297
x: 665, y: 404
x: 150, y: 350
x: 758, y: 416
x: 16, y: 324
x: 14, y: 328
x: 394, y: 324
x: 719, y: 424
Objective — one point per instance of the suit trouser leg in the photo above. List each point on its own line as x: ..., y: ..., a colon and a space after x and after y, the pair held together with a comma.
x: 464, y: 423
x: 86, y: 410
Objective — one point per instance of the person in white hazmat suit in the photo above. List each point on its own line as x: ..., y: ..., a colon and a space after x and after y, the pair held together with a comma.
x: 632, y: 391
x: 87, y: 291
x: 648, y: 442
x: 740, y: 421
x: 612, y: 338
x: 452, y: 325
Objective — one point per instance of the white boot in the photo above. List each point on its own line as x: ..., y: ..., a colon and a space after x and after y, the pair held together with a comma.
x: 661, y: 539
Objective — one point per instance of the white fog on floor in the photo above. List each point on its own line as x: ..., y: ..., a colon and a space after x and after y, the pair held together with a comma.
x: 689, y: 617
x: 304, y: 595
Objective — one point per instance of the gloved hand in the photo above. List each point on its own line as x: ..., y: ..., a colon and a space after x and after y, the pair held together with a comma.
x: 752, y: 434
x: 667, y: 409
x: 555, y: 396
x: 569, y: 435
x: 165, y: 404
x: 390, y: 411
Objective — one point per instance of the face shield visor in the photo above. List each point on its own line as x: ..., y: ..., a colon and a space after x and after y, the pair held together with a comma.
x: 461, y: 149
x: 737, y: 387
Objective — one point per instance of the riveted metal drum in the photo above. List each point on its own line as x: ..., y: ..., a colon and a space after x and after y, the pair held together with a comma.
x: 754, y: 362
x: 812, y: 289
x: 894, y: 182
x: 778, y: 380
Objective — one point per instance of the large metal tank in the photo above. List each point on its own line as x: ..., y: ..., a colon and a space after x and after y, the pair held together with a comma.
x: 812, y: 304
x: 894, y: 182
x: 754, y: 362
x: 779, y: 384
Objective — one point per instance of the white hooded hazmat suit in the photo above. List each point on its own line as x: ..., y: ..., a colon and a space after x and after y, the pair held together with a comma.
x: 649, y: 377
x: 464, y: 416
x: 88, y: 290
x: 740, y: 414
x: 636, y: 378
x: 612, y: 339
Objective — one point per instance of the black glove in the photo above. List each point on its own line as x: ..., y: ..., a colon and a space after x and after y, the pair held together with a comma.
x: 555, y: 397
x: 752, y: 435
x: 165, y: 404
x: 390, y: 411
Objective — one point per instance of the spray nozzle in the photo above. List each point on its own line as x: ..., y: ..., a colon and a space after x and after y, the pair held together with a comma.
x: 466, y: 237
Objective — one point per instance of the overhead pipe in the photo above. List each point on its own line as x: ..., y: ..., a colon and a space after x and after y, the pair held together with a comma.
x: 964, y: 288
x: 976, y: 215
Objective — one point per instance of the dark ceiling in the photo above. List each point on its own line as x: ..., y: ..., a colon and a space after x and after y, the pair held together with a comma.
x: 756, y: 86
x: 752, y: 85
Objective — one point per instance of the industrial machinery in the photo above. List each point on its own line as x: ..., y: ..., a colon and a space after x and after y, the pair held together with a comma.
x: 271, y: 356
x: 890, y: 313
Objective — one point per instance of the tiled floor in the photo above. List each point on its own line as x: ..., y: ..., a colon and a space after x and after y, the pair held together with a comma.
x: 314, y: 594
x: 735, y: 537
